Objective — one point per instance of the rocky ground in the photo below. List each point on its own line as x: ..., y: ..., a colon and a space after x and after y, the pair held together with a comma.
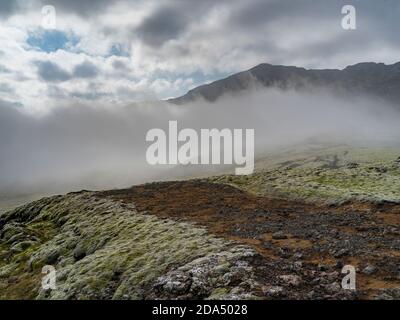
x: 217, y: 238
x: 303, y: 246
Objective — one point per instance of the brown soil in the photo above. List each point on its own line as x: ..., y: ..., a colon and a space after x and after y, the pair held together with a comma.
x: 321, y: 237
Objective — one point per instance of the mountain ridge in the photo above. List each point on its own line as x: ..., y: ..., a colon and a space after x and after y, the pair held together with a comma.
x: 375, y: 79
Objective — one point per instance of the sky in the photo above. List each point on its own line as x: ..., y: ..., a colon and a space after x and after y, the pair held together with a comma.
x: 124, y: 51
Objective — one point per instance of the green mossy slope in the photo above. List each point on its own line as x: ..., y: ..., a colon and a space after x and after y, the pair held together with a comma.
x: 102, y: 249
x: 333, y: 175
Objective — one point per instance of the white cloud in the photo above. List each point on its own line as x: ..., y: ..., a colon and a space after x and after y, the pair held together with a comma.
x: 204, y: 37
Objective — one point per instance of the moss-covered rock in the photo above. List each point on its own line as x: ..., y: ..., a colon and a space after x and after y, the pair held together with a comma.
x: 334, y: 175
x: 102, y: 249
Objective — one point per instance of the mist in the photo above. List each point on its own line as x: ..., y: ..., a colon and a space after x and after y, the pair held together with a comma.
x: 78, y: 146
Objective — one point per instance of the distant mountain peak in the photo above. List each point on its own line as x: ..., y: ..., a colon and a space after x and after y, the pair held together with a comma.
x: 376, y: 79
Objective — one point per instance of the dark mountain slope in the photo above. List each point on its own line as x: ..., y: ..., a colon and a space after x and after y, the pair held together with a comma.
x: 376, y: 79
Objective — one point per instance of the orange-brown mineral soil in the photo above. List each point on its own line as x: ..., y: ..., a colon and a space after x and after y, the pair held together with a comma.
x: 310, y: 243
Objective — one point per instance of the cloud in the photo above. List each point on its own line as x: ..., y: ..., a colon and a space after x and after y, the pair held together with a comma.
x: 7, y: 7
x: 158, y: 43
x: 171, y: 19
x: 165, y: 24
x: 5, y: 87
x: 85, y: 70
x: 51, y: 72
x: 119, y: 65
x: 118, y: 52
x: 79, y: 146
x: 91, y: 96
x: 9, y: 106
x: 4, y: 69
x: 83, y: 8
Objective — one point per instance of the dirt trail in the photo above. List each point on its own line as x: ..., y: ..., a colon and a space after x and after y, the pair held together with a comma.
x: 308, y: 240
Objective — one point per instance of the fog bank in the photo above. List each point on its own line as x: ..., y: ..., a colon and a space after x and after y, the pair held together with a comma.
x: 96, y: 147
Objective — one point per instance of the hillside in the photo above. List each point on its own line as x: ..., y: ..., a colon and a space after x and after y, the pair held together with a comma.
x: 373, y: 79
x: 217, y: 238
x: 326, y: 175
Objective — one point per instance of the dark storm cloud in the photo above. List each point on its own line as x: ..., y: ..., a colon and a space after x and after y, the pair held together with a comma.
x: 380, y: 19
x: 165, y: 24
x: 259, y: 12
x: 280, y: 18
x: 379, y: 16
x: 8, y: 7
x: 170, y: 20
x: 256, y: 12
x: 51, y: 72
x: 85, y: 70
x: 377, y: 26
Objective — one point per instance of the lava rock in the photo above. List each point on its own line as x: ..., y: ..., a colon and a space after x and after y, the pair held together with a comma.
x: 333, y: 288
x: 274, y: 291
x: 279, y: 236
x: 369, y: 269
x: 389, y: 294
x: 176, y: 283
x: 291, y: 280
x: 340, y: 253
